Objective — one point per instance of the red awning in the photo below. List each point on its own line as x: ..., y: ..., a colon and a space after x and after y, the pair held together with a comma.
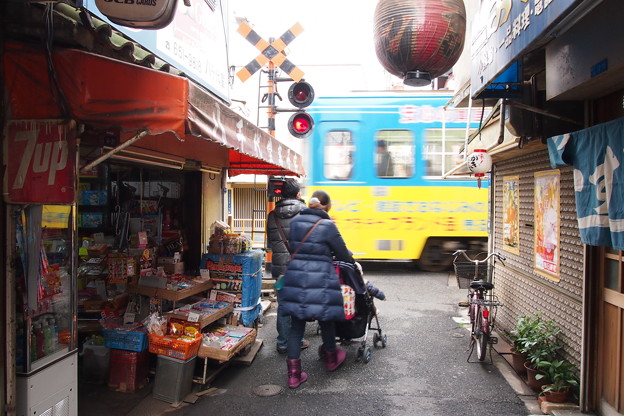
x: 107, y: 93
x: 252, y: 149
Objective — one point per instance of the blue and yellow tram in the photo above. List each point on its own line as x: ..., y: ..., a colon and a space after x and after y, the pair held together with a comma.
x: 382, y: 159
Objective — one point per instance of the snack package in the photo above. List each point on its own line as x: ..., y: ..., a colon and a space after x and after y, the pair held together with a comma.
x: 191, y: 329
x: 155, y: 324
x: 176, y: 327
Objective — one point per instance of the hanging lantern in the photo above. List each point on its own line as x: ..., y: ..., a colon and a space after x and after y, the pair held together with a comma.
x: 479, y: 163
x: 419, y: 40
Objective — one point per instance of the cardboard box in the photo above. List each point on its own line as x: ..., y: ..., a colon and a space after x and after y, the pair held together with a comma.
x: 170, y: 266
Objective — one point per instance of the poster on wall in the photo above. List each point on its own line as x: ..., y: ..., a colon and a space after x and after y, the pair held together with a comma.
x: 511, y: 214
x: 546, y: 225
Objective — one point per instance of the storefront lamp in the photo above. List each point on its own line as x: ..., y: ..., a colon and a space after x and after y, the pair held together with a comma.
x: 479, y: 163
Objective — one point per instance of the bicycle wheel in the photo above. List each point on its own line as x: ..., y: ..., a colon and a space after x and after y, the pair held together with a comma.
x: 482, y: 337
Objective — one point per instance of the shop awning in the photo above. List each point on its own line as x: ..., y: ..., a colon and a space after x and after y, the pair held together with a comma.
x: 111, y: 94
x: 252, y: 150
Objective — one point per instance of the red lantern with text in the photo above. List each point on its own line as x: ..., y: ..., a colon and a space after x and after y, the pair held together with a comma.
x: 479, y: 163
x: 419, y: 40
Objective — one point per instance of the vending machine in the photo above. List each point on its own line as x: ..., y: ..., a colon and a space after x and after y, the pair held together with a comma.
x: 39, y: 189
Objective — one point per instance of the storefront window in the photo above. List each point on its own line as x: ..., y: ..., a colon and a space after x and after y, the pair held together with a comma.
x: 442, y: 150
x: 339, y: 151
x: 394, y: 154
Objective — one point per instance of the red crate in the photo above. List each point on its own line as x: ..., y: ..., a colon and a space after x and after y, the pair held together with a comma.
x: 129, y: 370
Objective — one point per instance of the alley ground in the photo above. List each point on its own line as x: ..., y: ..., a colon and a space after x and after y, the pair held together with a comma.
x: 422, y: 371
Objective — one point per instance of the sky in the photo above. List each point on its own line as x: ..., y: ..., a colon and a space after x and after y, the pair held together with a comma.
x: 335, y: 50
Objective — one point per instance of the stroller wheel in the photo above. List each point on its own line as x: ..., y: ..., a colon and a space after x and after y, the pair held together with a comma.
x: 376, y: 339
x: 360, y: 354
x: 367, y: 354
x: 384, y: 341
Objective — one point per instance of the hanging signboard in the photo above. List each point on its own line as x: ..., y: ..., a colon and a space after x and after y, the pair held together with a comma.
x: 502, y: 30
x: 145, y: 14
x: 195, y: 41
x: 39, y: 161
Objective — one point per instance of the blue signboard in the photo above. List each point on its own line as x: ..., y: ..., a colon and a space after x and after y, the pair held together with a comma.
x: 194, y: 42
x: 503, y: 29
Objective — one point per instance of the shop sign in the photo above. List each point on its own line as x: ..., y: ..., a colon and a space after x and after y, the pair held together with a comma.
x: 146, y: 14
x: 503, y: 29
x: 39, y: 160
x: 194, y: 41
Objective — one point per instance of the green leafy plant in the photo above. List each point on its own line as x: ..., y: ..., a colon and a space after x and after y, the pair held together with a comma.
x: 522, y: 332
x: 535, y: 337
x: 560, y: 374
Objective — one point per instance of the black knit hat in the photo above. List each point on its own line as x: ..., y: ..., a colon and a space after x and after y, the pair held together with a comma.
x: 290, y: 188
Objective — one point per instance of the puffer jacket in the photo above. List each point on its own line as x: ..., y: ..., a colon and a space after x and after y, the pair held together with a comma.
x: 284, y: 212
x: 311, y: 288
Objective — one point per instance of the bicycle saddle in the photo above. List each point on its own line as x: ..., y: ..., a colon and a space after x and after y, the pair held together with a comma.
x: 476, y: 284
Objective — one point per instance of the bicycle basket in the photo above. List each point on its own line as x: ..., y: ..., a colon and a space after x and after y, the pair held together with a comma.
x: 466, y: 272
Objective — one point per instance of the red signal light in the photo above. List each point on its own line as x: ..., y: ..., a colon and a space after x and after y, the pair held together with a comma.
x: 301, y: 94
x: 300, y: 125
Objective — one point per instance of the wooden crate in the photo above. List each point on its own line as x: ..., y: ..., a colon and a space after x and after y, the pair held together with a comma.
x: 171, y: 295
x: 227, y: 355
x: 207, y: 319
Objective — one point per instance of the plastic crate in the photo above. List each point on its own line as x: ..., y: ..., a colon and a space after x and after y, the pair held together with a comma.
x: 125, y: 340
x: 129, y: 370
x: 172, y: 347
x: 466, y: 272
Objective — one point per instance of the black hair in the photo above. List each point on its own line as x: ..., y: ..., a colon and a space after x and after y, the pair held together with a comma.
x: 290, y: 188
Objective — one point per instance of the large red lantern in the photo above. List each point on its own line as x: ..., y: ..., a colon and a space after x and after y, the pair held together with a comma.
x: 418, y: 40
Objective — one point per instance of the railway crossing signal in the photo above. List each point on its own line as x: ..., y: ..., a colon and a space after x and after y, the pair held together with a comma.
x: 300, y: 94
x: 271, y: 52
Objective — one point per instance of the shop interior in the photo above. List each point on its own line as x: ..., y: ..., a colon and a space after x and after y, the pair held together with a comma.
x: 124, y: 279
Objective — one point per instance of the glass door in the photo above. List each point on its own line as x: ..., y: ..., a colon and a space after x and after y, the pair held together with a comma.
x: 45, y: 274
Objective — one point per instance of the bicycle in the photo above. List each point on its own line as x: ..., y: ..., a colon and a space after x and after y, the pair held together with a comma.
x: 482, y: 304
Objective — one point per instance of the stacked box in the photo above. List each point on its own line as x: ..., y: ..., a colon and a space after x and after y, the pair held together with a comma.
x: 95, y: 363
x: 129, y: 370
x: 240, y: 274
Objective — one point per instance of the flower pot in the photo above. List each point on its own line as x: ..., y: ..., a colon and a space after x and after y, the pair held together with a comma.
x: 555, y: 396
x: 534, y: 383
x: 517, y: 362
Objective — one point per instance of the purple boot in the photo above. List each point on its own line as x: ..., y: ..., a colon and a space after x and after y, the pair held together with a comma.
x: 334, y: 358
x: 295, y: 375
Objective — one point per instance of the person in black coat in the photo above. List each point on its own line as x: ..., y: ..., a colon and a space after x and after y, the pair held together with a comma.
x: 311, y: 289
x: 278, y: 229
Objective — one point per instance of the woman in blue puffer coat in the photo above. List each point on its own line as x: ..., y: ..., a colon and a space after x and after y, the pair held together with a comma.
x: 311, y: 289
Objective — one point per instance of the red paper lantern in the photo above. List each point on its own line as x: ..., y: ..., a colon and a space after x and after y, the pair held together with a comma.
x: 419, y: 40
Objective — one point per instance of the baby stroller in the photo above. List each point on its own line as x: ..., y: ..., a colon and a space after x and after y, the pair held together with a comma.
x: 358, y: 326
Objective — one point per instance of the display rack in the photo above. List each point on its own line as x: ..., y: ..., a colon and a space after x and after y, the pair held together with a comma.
x: 207, y: 319
x: 171, y: 295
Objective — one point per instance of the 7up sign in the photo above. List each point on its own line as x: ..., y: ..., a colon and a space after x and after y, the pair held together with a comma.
x: 39, y: 159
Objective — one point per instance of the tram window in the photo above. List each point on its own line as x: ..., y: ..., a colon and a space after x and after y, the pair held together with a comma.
x: 339, y: 151
x: 442, y: 150
x: 394, y: 154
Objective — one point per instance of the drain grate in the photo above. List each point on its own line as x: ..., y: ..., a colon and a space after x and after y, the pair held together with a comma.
x: 267, y: 390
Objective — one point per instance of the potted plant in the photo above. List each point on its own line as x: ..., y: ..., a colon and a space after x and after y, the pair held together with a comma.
x: 540, y: 345
x: 560, y: 376
x: 519, y: 336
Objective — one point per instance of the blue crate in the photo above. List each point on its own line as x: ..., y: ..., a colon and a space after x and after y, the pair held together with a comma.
x: 245, y: 267
x: 125, y: 340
